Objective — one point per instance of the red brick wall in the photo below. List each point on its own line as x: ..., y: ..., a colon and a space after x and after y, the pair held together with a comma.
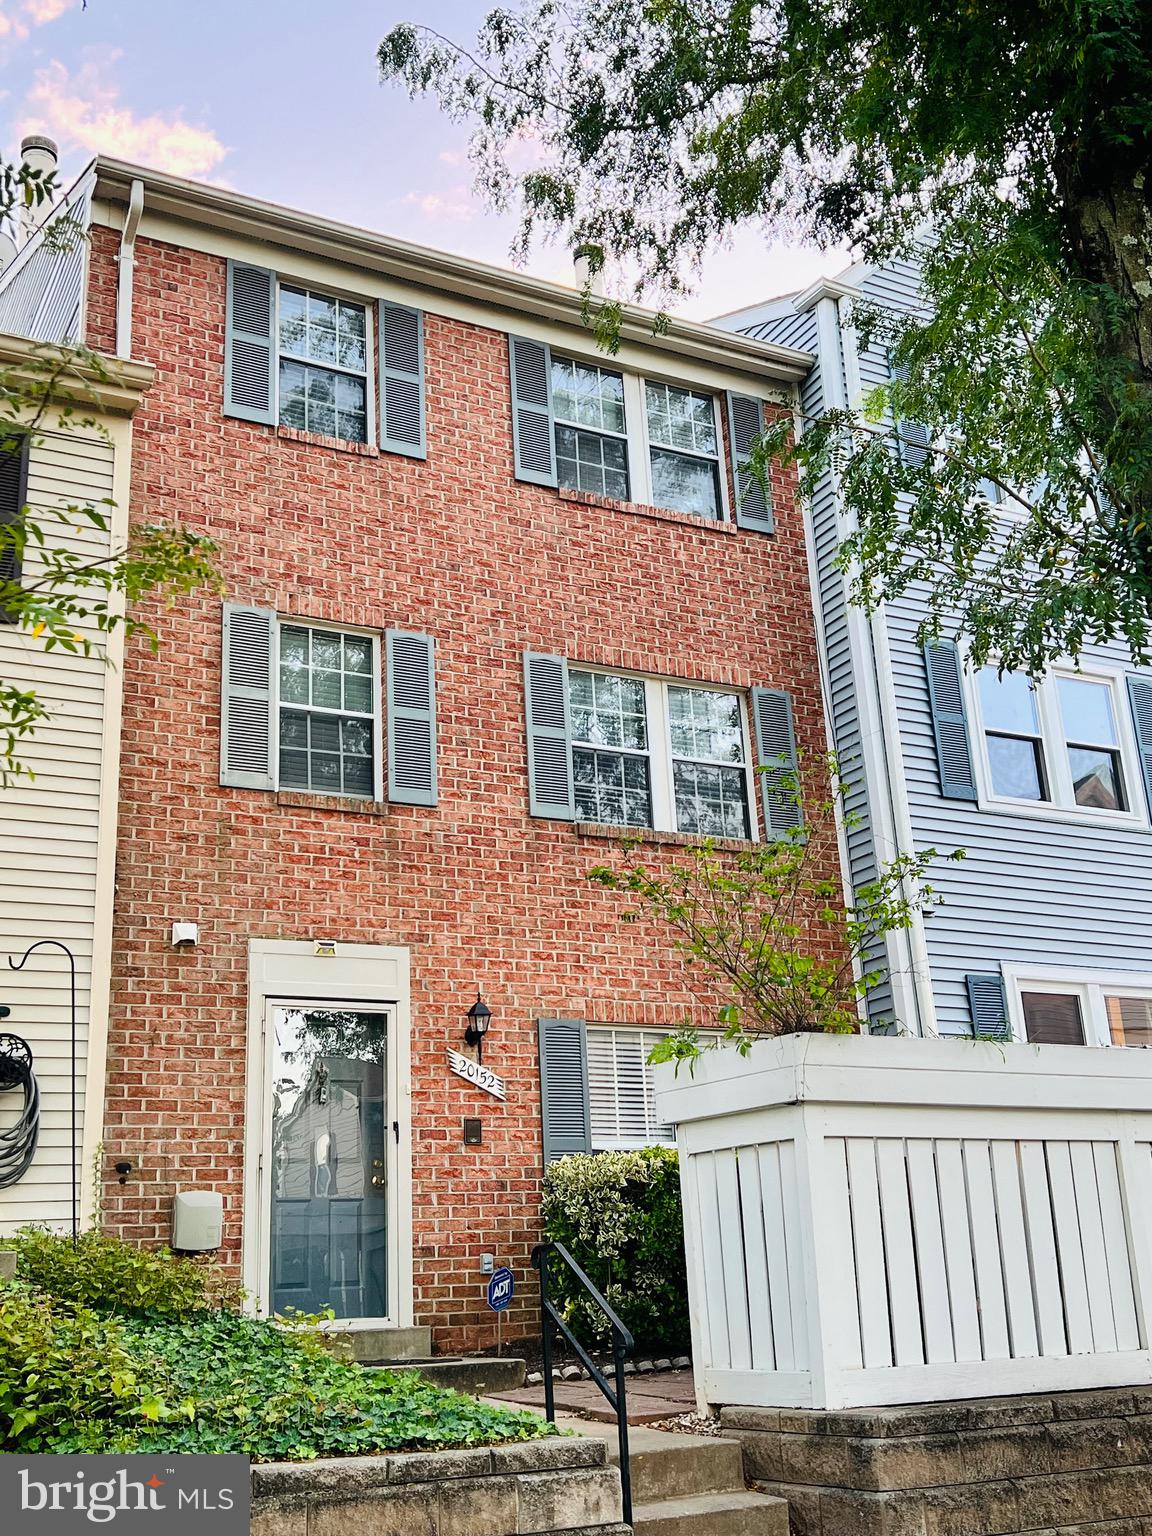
x: 481, y: 893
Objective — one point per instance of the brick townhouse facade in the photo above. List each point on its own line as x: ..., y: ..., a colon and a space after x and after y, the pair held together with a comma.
x: 489, y: 594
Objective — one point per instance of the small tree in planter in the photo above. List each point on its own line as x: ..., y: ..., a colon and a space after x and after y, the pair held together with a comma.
x: 746, y: 916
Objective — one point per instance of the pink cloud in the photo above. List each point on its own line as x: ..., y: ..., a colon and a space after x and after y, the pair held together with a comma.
x: 83, y: 111
x: 18, y: 17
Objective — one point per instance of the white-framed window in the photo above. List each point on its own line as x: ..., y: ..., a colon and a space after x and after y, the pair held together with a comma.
x: 328, y: 711
x: 621, y: 1095
x: 1064, y: 745
x: 652, y: 752
x: 324, y: 375
x: 630, y: 438
x: 1057, y: 1005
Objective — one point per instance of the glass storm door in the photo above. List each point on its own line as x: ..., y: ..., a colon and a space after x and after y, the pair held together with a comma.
x: 329, y: 1184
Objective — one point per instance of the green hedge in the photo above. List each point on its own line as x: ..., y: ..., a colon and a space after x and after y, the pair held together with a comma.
x: 105, y: 1347
x: 619, y: 1215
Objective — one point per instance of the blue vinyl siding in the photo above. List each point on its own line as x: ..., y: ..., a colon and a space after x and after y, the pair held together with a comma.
x: 1030, y: 890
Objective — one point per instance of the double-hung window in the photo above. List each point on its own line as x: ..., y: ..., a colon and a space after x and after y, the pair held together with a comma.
x: 652, y: 753
x: 328, y: 711
x: 684, y: 449
x: 621, y: 1092
x: 632, y: 439
x: 323, y: 345
x: 1060, y: 743
x: 591, y: 438
x: 1059, y: 1007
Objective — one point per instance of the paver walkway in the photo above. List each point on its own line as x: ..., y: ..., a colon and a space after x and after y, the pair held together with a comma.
x: 658, y: 1395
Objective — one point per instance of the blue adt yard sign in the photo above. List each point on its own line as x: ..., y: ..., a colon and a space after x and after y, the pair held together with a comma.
x: 500, y: 1289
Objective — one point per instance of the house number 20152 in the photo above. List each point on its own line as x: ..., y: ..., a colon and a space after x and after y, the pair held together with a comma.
x: 480, y: 1077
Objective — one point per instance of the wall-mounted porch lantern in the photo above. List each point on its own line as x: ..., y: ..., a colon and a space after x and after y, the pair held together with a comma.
x: 479, y: 1018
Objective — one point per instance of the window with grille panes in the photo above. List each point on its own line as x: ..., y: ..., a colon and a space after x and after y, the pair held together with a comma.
x: 653, y: 753
x: 621, y: 1095
x: 328, y: 711
x: 591, y: 437
x: 323, y: 364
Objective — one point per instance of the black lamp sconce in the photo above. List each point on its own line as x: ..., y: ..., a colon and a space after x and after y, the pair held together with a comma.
x: 124, y: 1169
x: 479, y: 1018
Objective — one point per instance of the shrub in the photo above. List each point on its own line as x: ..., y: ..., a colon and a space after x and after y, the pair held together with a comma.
x: 133, y: 1354
x: 618, y: 1214
x: 113, y: 1276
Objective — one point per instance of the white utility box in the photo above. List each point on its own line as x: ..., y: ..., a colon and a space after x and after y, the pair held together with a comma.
x: 197, y: 1220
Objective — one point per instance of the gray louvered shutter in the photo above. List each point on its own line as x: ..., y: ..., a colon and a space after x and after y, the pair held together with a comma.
x: 13, y: 496
x: 745, y: 424
x: 776, y: 756
x: 950, y: 720
x: 549, y: 737
x: 533, y: 439
x: 401, y: 331
x: 1140, y: 698
x: 564, y: 1108
x: 249, y: 347
x: 411, y: 718
x: 989, y: 1005
x: 247, y: 709
x: 913, y: 442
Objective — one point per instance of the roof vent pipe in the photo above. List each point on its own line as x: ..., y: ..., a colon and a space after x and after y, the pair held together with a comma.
x: 37, y: 154
x: 586, y: 277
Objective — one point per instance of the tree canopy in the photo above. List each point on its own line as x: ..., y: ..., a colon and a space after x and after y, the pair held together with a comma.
x: 1019, y: 134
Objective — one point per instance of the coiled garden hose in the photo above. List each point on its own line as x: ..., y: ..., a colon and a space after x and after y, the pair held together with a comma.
x: 18, y: 1142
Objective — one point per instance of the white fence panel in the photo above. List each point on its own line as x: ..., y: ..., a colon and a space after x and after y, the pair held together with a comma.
x: 989, y: 1228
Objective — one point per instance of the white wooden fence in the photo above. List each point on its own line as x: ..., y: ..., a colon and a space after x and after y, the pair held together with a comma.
x: 874, y: 1221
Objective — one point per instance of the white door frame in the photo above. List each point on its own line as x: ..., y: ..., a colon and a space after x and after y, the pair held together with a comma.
x: 375, y: 978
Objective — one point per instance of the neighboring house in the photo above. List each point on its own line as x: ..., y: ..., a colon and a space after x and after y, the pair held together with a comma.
x: 493, y: 597
x: 58, y: 822
x: 1045, y: 931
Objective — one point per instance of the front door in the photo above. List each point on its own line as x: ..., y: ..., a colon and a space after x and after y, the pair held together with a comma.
x: 329, y: 1179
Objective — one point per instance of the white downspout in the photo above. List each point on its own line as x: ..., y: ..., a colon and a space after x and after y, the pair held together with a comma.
x: 127, y: 261
x: 904, y: 836
x: 906, y: 998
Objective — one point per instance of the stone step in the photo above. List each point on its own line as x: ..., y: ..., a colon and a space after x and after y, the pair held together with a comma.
x: 667, y: 1466
x: 479, y: 1375
x: 735, y: 1513
x: 380, y: 1344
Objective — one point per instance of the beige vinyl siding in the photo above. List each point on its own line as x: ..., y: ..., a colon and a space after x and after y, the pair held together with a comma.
x: 54, y: 866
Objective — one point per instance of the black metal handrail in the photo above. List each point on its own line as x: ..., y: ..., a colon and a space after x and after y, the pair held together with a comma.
x: 622, y: 1346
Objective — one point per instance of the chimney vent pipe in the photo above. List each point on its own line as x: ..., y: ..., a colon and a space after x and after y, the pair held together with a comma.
x: 41, y: 154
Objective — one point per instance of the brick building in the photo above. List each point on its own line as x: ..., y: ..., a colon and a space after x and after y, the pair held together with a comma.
x: 490, y: 594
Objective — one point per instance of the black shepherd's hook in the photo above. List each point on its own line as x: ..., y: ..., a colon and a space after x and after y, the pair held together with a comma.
x: 18, y: 965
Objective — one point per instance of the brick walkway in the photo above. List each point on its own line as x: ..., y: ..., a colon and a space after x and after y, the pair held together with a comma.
x: 651, y: 1397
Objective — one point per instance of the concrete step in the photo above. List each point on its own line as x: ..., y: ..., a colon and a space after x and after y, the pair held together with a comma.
x: 379, y: 1344
x: 735, y: 1513
x: 667, y: 1466
x: 479, y: 1375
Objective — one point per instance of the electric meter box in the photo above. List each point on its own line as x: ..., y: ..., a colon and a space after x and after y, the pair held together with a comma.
x: 197, y: 1220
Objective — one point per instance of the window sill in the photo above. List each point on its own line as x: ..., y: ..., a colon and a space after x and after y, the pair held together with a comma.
x: 641, y: 509
x: 1116, y: 821
x: 345, y: 803
x: 645, y: 835
x: 336, y: 444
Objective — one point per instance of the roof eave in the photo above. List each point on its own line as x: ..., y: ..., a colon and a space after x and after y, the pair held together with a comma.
x: 273, y: 224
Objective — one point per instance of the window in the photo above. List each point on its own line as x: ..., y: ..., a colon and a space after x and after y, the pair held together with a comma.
x: 648, y: 753
x: 1012, y: 732
x: 1090, y: 738
x: 1058, y: 1007
x: 684, y: 449
x: 620, y: 1089
x: 327, y: 711
x: 1059, y: 744
x: 323, y: 364
x: 591, y: 441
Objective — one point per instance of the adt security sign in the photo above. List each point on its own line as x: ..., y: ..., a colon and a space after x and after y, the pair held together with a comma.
x: 500, y: 1289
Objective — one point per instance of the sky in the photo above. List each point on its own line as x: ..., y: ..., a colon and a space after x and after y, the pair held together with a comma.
x: 280, y: 99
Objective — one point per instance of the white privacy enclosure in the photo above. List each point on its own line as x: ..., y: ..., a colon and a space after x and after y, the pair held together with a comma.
x: 872, y: 1221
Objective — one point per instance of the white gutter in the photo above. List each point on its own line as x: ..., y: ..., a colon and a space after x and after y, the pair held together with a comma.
x: 863, y: 643
x: 127, y: 261
x: 891, y: 745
